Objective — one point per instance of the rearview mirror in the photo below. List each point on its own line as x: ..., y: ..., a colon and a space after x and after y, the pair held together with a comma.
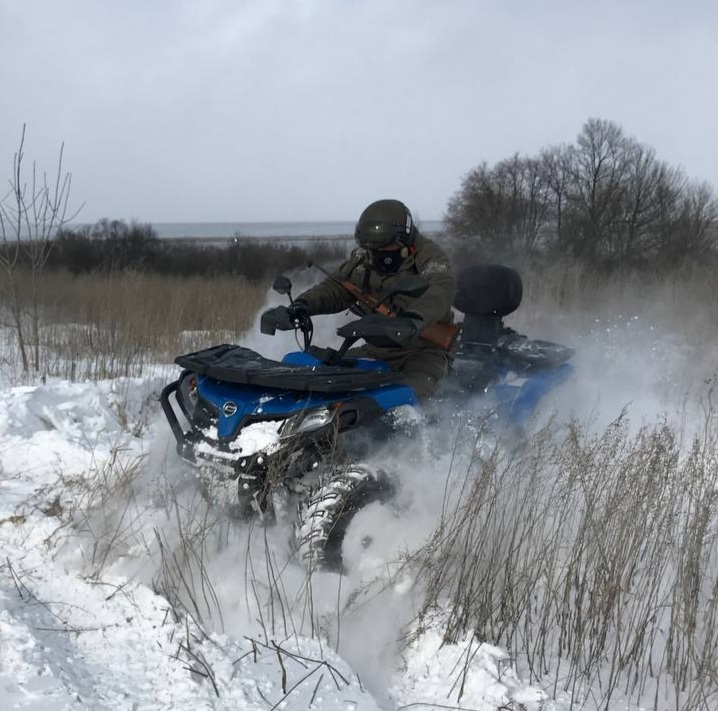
x: 282, y: 284
x: 410, y: 286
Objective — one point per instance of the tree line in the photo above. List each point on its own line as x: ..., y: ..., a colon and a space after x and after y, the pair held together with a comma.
x: 605, y: 200
x: 117, y: 246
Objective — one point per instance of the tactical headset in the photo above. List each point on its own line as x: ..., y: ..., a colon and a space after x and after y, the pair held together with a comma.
x: 407, y: 237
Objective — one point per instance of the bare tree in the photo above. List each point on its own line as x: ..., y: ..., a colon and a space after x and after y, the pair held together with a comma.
x: 696, y: 225
x: 31, y: 213
x: 536, y: 201
x: 606, y: 200
x: 556, y: 174
x: 470, y: 210
x: 504, y: 208
x: 599, y: 176
x: 650, y: 184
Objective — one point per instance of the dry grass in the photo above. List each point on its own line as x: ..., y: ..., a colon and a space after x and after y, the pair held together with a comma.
x: 106, y: 325
x: 102, y: 326
x: 684, y: 300
x: 593, y: 559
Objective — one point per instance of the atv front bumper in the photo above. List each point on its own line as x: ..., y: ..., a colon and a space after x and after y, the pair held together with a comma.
x: 185, y: 440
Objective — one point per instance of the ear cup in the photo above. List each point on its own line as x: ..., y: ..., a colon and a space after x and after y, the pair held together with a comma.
x: 407, y: 239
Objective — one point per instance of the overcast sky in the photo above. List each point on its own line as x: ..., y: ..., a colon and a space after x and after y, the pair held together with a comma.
x: 232, y: 110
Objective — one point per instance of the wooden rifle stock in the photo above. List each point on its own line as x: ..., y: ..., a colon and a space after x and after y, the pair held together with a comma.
x: 438, y: 334
x: 441, y: 334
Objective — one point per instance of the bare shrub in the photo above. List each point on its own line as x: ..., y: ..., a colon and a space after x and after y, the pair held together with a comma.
x: 98, y: 509
x: 31, y: 214
x: 182, y: 577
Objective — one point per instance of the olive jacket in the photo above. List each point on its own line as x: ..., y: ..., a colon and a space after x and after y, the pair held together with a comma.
x: 426, y: 259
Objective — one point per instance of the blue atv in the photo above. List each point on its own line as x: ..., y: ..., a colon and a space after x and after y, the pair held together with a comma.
x: 269, y: 436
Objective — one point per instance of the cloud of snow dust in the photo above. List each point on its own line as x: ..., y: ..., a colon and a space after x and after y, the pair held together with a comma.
x: 638, y: 359
x: 652, y: 354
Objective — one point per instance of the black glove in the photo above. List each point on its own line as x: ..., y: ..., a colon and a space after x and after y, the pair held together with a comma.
x: 285, y: 318
x: 412, y: 326
x: 381, y: 331
x: 415, y: 318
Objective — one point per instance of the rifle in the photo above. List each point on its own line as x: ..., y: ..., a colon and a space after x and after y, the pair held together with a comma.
x: 438, y: 334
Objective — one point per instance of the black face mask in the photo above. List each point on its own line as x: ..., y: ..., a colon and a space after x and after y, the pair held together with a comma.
x: 387, y: 261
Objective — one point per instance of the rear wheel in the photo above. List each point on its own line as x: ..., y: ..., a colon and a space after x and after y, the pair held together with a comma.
x: 324, y: 518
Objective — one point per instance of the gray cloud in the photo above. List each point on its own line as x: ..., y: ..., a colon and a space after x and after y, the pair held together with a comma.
x: 297, y: 109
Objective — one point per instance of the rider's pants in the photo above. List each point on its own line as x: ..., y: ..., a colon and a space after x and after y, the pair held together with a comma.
x: 423, y: 368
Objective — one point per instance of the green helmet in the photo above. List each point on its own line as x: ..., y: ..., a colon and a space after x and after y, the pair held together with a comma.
x: 384, y: 223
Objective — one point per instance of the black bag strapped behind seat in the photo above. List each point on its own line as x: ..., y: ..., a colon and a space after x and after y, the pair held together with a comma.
x: 488, y: 290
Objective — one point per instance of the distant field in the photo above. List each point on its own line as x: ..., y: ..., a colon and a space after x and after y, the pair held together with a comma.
x: 286, y: 231
x: 268, y: 230
x: 277, y: 239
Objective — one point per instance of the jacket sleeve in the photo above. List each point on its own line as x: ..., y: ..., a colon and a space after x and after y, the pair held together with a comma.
x: 328, y: 297
x: 435, y: 304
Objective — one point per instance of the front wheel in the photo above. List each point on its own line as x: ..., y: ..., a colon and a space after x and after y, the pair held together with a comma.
x: 324, y: 518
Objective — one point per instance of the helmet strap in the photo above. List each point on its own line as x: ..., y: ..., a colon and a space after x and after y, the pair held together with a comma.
x: 407, y: 237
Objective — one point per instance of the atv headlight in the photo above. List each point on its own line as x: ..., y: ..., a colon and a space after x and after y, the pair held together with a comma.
x: 187, y: 393
x: 308, y: 421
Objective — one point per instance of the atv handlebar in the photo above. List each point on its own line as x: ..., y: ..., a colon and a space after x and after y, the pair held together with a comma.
x: 281, y: 318
x: 376, y: 329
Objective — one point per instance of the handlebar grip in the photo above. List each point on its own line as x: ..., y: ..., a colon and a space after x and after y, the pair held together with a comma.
x: 268, y: 324
x: 276, y: 319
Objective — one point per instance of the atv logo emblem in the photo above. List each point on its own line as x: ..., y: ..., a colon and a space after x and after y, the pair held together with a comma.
x: 229, y: 408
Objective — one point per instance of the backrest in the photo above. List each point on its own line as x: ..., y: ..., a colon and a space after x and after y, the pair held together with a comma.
x: 488, y: 290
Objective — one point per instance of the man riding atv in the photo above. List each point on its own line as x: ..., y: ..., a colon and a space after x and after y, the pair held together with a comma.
x: 390, y: 247
x: 274, y: 436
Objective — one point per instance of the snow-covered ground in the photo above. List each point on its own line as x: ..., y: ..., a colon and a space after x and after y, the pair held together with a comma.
x: 89, y: 486
x: 121, y: 589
